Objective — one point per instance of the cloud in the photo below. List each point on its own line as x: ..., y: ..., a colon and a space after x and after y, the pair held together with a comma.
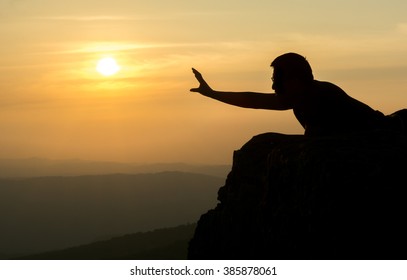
x: 87, y: 18
x: 402, y: 28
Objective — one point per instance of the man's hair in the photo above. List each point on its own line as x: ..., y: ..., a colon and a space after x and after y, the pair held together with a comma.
x: 292, y: 65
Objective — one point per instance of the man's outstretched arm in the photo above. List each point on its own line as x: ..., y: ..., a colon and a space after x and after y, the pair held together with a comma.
x: 253, y: 100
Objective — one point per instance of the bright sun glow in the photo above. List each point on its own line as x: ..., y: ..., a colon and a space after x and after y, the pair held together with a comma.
x: 107, y: 66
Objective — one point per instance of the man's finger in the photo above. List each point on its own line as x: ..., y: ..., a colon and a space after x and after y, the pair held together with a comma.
x: 196, y: 72
x: 198, y: 75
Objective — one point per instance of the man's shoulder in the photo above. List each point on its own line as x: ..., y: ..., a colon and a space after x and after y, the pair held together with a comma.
x: 325, y: 84
x: 323, y: 87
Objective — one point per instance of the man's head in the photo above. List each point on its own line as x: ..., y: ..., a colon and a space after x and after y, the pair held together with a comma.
x: 290, y: 68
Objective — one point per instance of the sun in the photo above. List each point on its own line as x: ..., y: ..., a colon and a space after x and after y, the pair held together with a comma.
x: 107, y: 66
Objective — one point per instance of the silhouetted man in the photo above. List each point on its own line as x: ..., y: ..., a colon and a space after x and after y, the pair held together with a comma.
x: 322, y: 108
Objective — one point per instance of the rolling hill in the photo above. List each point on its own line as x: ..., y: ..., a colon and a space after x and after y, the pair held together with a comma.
x: 160, y: 244
x: 51, y: 213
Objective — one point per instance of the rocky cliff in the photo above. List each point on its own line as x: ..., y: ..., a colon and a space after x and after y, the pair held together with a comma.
x: 292, y: 197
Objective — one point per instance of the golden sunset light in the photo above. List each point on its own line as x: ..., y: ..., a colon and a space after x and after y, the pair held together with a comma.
x: 111, y: 81
x: 225, y: 132
x: 107, y: 66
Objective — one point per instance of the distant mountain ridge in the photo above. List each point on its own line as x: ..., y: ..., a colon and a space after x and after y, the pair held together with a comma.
x: 39, y: 167
x: 50, y: 213
x: 160, y: 244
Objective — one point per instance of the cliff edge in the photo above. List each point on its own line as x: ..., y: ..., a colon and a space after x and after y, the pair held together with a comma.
x: 293, y: 197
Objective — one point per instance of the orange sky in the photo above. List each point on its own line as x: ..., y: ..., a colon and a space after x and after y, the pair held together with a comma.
x: 54, y: 104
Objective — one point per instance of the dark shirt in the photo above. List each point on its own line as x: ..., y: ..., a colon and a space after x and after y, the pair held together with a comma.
x: 328, y: 110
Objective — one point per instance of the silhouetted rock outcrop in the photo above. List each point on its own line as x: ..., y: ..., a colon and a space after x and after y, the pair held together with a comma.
x: 292, y: 197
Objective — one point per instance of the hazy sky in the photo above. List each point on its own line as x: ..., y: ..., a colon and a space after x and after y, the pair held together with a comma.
x: 54, y: 104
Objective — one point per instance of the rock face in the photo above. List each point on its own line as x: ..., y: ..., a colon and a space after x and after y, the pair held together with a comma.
x: 292, y: 197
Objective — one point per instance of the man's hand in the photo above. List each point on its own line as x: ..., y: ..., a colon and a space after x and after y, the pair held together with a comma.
x: 203, y: 88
